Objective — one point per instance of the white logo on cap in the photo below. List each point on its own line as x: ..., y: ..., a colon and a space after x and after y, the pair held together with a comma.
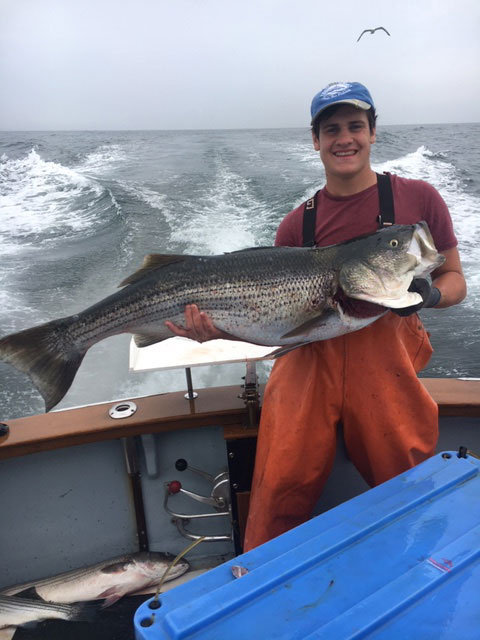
x: 336, y: 89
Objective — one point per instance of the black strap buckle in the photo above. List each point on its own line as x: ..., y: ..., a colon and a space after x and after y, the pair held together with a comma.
x: 381, y: 223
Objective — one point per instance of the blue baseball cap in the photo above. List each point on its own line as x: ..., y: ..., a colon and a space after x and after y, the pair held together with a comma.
x: 341, y: 93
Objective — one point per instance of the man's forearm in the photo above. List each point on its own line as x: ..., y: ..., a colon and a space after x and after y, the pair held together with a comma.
x: 452, y: 288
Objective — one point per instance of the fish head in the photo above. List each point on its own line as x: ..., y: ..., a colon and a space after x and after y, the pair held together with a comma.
x: 154, y: 564
x: 381, y: 266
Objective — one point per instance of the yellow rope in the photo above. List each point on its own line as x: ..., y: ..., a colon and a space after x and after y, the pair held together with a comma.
x: 174, y: 562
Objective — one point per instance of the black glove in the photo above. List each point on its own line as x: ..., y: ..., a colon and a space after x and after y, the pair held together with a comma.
x: 430, y: 297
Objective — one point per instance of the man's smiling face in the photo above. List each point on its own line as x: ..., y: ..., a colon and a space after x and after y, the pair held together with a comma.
x: 344, y: 141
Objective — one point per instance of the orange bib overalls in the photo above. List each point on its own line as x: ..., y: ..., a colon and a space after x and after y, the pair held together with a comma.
x: 364, y: 380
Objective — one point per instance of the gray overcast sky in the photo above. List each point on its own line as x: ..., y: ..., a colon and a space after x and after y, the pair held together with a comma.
x: 202, y: 64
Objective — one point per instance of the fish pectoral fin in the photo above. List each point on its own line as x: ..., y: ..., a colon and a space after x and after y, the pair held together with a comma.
x: 150, y: 263
x: 287, y: 348
x: 110, y: 596
x: 306, y: 327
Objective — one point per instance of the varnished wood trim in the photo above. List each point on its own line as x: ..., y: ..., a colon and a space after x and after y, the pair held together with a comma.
x: 235, y: 432
x: 168, y: 412
x: 455, y: 397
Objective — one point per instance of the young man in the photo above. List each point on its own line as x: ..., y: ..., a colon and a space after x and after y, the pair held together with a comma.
x: 367, y: 380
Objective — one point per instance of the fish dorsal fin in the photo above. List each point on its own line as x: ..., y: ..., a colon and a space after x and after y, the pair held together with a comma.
x: 264, y: 248
x: 250, y: 249
x: 150, y: 263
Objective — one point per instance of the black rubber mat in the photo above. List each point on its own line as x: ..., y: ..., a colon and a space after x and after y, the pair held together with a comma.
x: 112, y: 623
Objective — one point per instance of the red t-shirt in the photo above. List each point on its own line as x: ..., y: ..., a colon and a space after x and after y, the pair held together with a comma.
x: 341, y: 218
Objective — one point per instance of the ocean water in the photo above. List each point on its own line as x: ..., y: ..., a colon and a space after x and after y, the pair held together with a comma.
x: 79, y: 210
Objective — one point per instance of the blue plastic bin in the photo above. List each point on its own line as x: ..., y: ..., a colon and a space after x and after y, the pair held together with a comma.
x: 399, y: 561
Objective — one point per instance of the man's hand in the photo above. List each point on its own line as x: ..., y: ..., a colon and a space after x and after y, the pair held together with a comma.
x: 430, y: 297
x: 198, y: 326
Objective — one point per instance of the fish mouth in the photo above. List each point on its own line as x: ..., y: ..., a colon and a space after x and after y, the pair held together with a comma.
x: 422, y: 248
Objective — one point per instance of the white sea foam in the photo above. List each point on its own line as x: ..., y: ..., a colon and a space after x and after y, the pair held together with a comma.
x: 153, y: 198
x: 103, y: 159
x: 422, y: 164
x: 41, y: 199
x: 227, y: 218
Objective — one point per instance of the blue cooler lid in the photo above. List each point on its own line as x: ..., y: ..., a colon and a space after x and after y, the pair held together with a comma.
x: 399, y: 561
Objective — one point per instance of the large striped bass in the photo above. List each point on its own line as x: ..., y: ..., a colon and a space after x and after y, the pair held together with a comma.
x: 269, y: 296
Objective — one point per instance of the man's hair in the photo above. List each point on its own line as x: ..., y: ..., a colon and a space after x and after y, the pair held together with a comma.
x: 329, y: 111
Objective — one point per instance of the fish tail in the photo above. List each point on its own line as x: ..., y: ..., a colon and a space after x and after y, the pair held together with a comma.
x: 48, y: 354
x: 84, y: 611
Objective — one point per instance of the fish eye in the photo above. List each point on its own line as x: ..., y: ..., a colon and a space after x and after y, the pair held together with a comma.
x: 394, y: 243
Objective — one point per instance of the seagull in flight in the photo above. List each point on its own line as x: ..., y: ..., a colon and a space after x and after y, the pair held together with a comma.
x: 372, y: 31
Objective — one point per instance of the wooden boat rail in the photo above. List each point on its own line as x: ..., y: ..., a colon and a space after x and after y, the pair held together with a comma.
x: 220, y: 406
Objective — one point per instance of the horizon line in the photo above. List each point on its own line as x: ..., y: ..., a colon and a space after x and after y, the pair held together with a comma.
x: 307, y: 127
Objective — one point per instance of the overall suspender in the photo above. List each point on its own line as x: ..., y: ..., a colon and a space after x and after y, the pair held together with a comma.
x: 385, y: 218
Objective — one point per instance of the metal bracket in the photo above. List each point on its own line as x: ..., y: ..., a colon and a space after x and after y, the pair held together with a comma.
x: 122, y: 410
x: 147, y: 441
x: 191, y: 394
x: 251, y: 395
x: 219, y: 499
